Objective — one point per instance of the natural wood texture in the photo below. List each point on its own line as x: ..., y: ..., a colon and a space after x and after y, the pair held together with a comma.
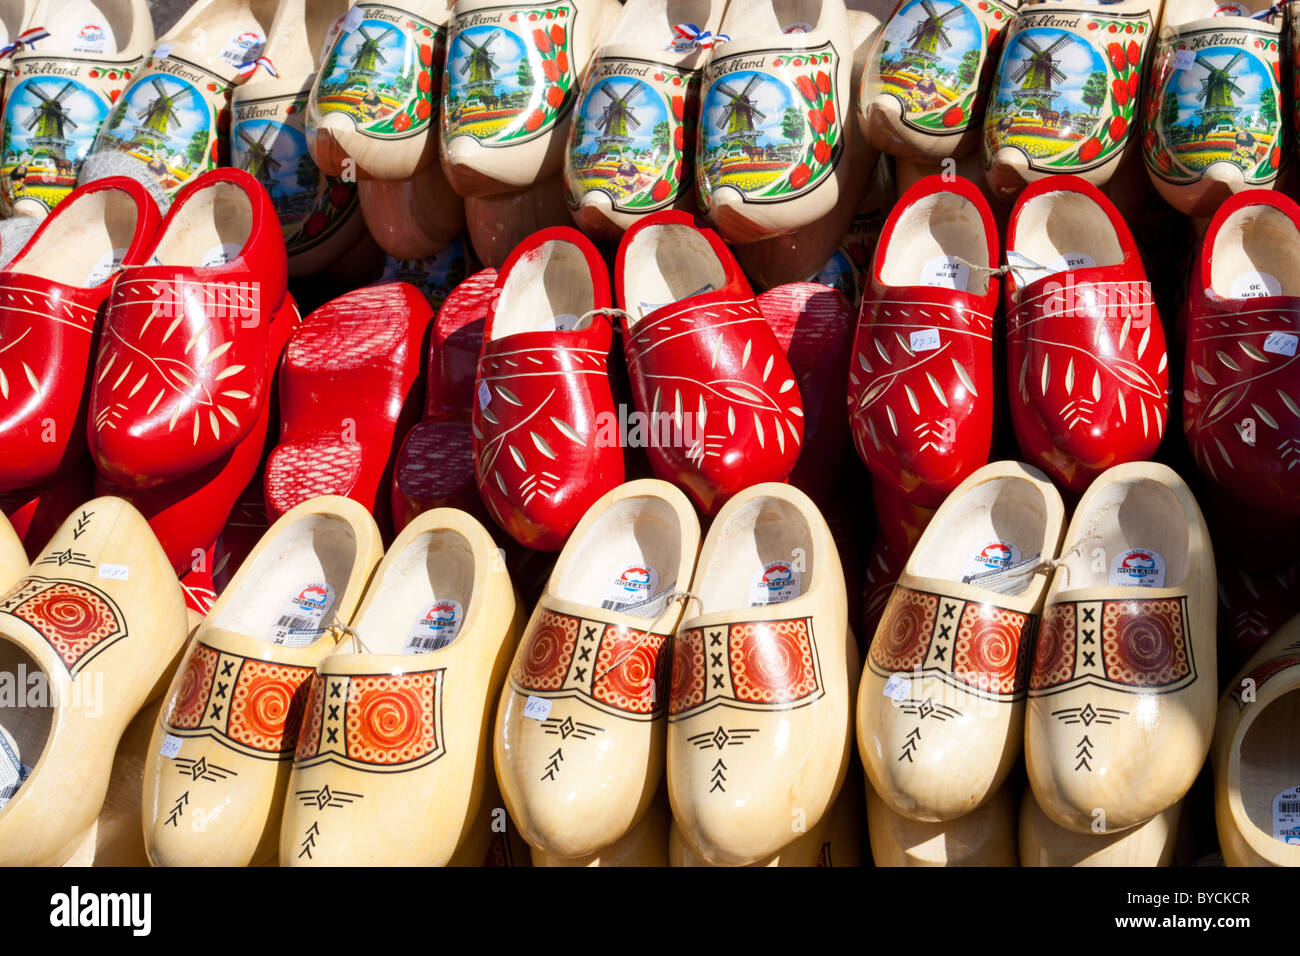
x: 1043, y: 843
x: 13, y: 558
x: 645, y: 844
x: 238, y: 697
x: 100, y: 616
x: 412, y: 218
x: 497, y: 224
x: 984, y: 837
x: 968, y: 166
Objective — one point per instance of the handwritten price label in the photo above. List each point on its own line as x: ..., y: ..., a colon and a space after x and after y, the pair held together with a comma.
x: 925, y: 340
x: 1281, y: 343
x: 537, y: 708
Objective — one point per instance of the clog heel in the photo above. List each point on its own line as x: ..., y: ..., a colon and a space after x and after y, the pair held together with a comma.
x: 983, y: 837
x: 1043, y: 843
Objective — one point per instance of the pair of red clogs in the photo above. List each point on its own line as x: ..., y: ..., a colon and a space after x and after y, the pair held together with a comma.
x: 1086, y: 365
x: 717, y: 405
x: 189, y: 313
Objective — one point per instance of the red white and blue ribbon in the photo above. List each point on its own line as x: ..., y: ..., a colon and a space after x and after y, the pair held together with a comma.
x: 249, y: 67
x: 27, y: 38
x: 689, y: 33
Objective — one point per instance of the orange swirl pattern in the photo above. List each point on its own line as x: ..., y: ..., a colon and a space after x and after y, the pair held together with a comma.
x: 629, y: 670
x: 903, y: 637
x: 390, y: 719
x: 550, y: 645
x: 1143, y: 642
x: 313, y: 718
x: 1054, y: 649
x: 772, y: 661
x: 266, y: 705
x: 191, y: 697
x: 73, y: 618
x: 687, y: 687
x: 990, y: 650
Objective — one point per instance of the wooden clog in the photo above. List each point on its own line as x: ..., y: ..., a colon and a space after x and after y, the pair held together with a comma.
x: 15, y: 15
x: 848, y: 268
x: 1255, y: 757
x: 221, y: 752
x: 51, y: 296
x: 984, y: 837
x: 580, y: 728
x: 173, y: 121
x: 1043, y: 843
x: 941, y: 703
x: 412, y: 218
x: 318, y: 213
x: 647, y: 843
x: 632, y: 138
x: 61, y: 91
x: 13, y: 557
x: 99, y: 617
x: 372, y: 108
x: 923, y: 93
x: 497, y: 224
x: 1123, y: 683
x: 759, y: 709
x: 1065, y: 96
x: 969, y: 166
x: 36, y: 513
x: 417, y: 674
x: 1214, y: 101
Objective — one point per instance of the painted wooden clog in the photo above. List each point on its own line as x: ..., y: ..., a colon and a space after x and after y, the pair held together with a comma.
x: 704, y: 366
x: 1255, y: 757
x: 499, y: 223
x: 1214, y: 103
x: 222, y: 750
x: 349, y: 386
x: 372, y: 111
x: 412, y: 218
x: 545, y: 431
x: 1043, y: 843
x: 1123, y: 682
x: 942, y: 699
x: 647, y: 843
x: 580, y: 728
x: 923, y: 355
x: 927, y: 79
x: 1087, y: 369
x: 173, y: 121
x: 848, y: 268
x: 772, y: 153
x: 632, y: 138
x: 318, y: 213
x: 911, y: 171
x: 1241, y: 387
x: 1065, y: 96
x: 61, y: 91
x: 984, y: 837
x: 51, y: 295
x: 182, y: 371
x: 760, y: 700
x: 417, y: 676
x: 92, y: 626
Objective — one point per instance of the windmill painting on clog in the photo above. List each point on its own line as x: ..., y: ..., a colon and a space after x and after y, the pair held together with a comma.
x: 62, y: 89
x: 1065, y: 95
x: 1214, y: 103
x: 924, y: 87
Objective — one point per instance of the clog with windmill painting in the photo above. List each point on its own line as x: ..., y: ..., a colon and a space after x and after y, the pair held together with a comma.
x: 1043, y: 843
x: 1214, y: 102
x: 1066, y: 93
x: 222, y: 749
x: 633, y: 132
x: 99, y: 617
x: 62, y: 89
x: 984, y: 837
x: 318, y: 213
x: 173, y: 122
x: 595, y: 654
x: 51, y: 295
x: 1123, y: 682
x: 373, y: 108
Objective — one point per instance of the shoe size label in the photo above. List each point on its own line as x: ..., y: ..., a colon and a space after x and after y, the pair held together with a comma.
x: 1138, y: 567
x: 1286, y: 816
x: 244, y: 46
x: 946, y: 273
x: 300, y: 620
x: 104, y: 266
x: 777, y: 582
x: 1254, y: 285
x: 510, y: 74
x: 436, y: 627
x: 634, y: 589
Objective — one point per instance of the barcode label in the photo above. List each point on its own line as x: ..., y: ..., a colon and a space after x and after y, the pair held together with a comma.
x: 427, y: 643
x: 297, y: 630
x: 1286, y: 816
x: 303, y: 617
x: 1289, y: 806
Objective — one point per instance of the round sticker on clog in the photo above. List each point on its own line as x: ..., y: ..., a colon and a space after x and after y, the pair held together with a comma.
x: 436, y: 627
x: 779, y: 581
x: 299, y: 623
x: 1230, y: 10
x: 1254, y: 285
x: 1286, y: 816
x: 1138, y: 567
x: 631, y: 588
x: 995, y: 555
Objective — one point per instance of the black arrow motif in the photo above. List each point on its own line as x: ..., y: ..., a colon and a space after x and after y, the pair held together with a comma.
x: 309, y: 841
x: 175, y: 815
x: 553, y: 767
x: 909, y: 745
x: 719, y: 776
x: 1083, y: 754
x: 82, y: 522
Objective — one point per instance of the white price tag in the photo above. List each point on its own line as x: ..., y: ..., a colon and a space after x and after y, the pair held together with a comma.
x: 1183, y: 59
x: 946, y: 272
x: 352, y: 20
x: 1254, y: 285
x: 896, y: 688
x: 162, y: 51
x: 924, y: 340
x: 899, y: 30
x: 537, y: 708
x: 114, y: 572
x: 171, y: 746
x: 1280, y: 343
x: 484, y: 395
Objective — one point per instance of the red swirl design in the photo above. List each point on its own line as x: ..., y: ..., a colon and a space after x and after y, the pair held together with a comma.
x: 903, y: 637
x: 73, y: 618
x: 772, y: 661
x: 1143, y: 642
x: 628, y: 670
x: 989, y: 653
x: 687, y: 687
x: 191, y: 697
x: 549, y: 649
x: 1054, y: 650
x: 266, y: 705
x: 390, y: 719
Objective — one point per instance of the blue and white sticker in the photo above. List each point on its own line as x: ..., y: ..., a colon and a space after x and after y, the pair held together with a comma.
x: 778, y: 582
x: 1138, y: 568
x: 300, y: 620
x: 992, y: 556
x: 1286, y: 816
x: 12, y: 771
x: 634, y: 589
x: 437, y: 626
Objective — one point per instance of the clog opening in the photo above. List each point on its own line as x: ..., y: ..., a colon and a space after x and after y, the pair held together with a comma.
x: 1134, y: 535
x: 1065, y: 230
x: 997, y: 527
x: 1270, y: 758
x: 628, y: 560
x: 935, y: 242
x: 91, y: 26
x: 549, y: 289
x: 421, y: 602
x: 765, y: 17
x: 79, y: 247
x: 291, y: 589
x: 763, y: 556
x: 210, y: 228
x: 1256, y: 252
x: 656, y: 18
x: 219, y: 23
x: 27, y: 708
x: 666, y: 263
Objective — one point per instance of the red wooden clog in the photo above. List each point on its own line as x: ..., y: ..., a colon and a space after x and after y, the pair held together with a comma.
x: 705, y: 368
x: 51, y: 294
x: 182, y: 373
x: 349, y: 387
x: 546, y: 441
x: 1086, y: 362
x: 921, y: 395
x: 1241, y: 373
x: 36, y: 513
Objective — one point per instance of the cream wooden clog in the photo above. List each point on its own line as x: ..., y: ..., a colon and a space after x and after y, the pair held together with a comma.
x: 412, y: 218
x: 373, y: 108
x: 645, y: 844
x: 15, y: 16
x: 1043, y: 843
x: 13, y: 557
x: 84, y: 638
x: 1256, y: 757
x: 580, y: 727
x: 942, y: 699
x: 398, y: 721
x: 984, y: 837
x: 221, y: 751
x: 759, y: 713
x: 1123, y: 682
